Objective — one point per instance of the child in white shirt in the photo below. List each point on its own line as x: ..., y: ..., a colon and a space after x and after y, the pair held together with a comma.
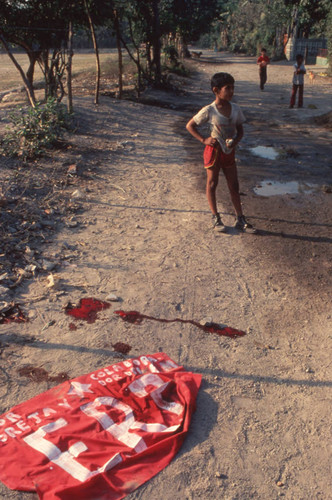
x: 298, y: 82
x: 225, y: 119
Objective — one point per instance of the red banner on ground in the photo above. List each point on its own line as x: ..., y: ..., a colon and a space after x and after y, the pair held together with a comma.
x: 100, y: 435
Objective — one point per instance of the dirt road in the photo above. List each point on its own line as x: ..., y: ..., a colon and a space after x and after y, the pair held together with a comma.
x: 262, y: 428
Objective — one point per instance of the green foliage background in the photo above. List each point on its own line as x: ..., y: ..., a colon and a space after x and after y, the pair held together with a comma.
x: 143, y: 26
x: 34, y: 130
x: 246, y: 26
x: 329, y: 39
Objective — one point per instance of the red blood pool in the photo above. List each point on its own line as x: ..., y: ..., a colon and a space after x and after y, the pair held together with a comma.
x: 121, y: 347
x: 38, y: 374
x: 87, y: 309
x: 13, y: 314
x: 136, y: 318
x: 133, y: 316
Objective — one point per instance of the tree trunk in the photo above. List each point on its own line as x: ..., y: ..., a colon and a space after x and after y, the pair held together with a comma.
x: 137, y: 61
x: 294, y: 25
x: 43, y: 62
x: 33, y: 57
x: 95, y: 46
x: 139, y: 73
x: 68, y: 69
x: 28, y: 86
x: 156, y: 44
x: 118, y: 44
x: 52, y: 74
x: 148, y: 59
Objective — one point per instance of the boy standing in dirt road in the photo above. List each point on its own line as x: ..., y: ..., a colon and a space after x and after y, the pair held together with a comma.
x: 298, y: 81
x: 263, y: 61
x: 225, y: 119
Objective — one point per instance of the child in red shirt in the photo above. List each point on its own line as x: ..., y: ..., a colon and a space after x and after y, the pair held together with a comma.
x: 263, y: 61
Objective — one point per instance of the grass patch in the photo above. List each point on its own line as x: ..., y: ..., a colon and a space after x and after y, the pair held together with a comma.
x: 82, y: 62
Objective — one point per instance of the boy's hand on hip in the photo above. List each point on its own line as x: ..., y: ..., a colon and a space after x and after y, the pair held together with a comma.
x: 210, y: 141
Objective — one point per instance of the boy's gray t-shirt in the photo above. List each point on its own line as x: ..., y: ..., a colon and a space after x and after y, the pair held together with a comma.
x: 222, y: 128
x: 298, y: 79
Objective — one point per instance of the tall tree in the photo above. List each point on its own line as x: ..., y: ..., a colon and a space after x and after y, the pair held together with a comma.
x: 96, y: 49
x: 38, y: 28
x: 69, y: 68
x: 149, y: 20
x: 329, y: 39
x: 41, y: 30
x: 27, y: 84
x: 309, y: 16
x: 190, y: 18
x: 116, y: 21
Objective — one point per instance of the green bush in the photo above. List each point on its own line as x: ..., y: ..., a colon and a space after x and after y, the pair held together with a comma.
x: 329, y: 40
x: 34, y: 130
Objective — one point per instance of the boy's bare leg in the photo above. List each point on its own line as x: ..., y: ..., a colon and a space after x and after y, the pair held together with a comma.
x: 300, y: 102
x: 293, y: 96
x: 233, y: 185
x: 212, y: 177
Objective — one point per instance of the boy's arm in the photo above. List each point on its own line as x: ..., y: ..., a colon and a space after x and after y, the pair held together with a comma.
x: 192, y: 129
x: 239, y: 135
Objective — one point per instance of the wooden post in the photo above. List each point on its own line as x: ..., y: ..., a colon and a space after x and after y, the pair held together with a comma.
x: 306, y: 54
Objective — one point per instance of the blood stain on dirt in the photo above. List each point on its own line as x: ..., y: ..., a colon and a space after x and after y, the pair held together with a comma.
x: 13, y: 314
x: 87, y: 309
x: 121, y: 347
x: 38, y: 374
x: 137, y: 318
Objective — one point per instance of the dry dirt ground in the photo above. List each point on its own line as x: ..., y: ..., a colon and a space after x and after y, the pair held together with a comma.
x: 139, y: 227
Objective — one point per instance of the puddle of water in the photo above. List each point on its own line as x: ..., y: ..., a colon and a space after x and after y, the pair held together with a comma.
x: 272, y: 188
x: 265, y: 152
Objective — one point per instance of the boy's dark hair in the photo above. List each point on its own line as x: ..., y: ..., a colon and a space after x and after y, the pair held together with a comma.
x: 263, y: 50
x: 219, y: 80
x: 299, y: 56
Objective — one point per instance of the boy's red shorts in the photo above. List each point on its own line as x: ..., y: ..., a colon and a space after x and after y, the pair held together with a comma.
x: 215, y: 157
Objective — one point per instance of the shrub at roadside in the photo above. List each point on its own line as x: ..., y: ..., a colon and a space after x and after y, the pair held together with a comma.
x: 33, y: 130
x: 329, y: 40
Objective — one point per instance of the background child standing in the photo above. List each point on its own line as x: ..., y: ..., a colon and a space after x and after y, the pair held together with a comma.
x: 225, y: 119
x: 298, y: 81
x: 263, y: 61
